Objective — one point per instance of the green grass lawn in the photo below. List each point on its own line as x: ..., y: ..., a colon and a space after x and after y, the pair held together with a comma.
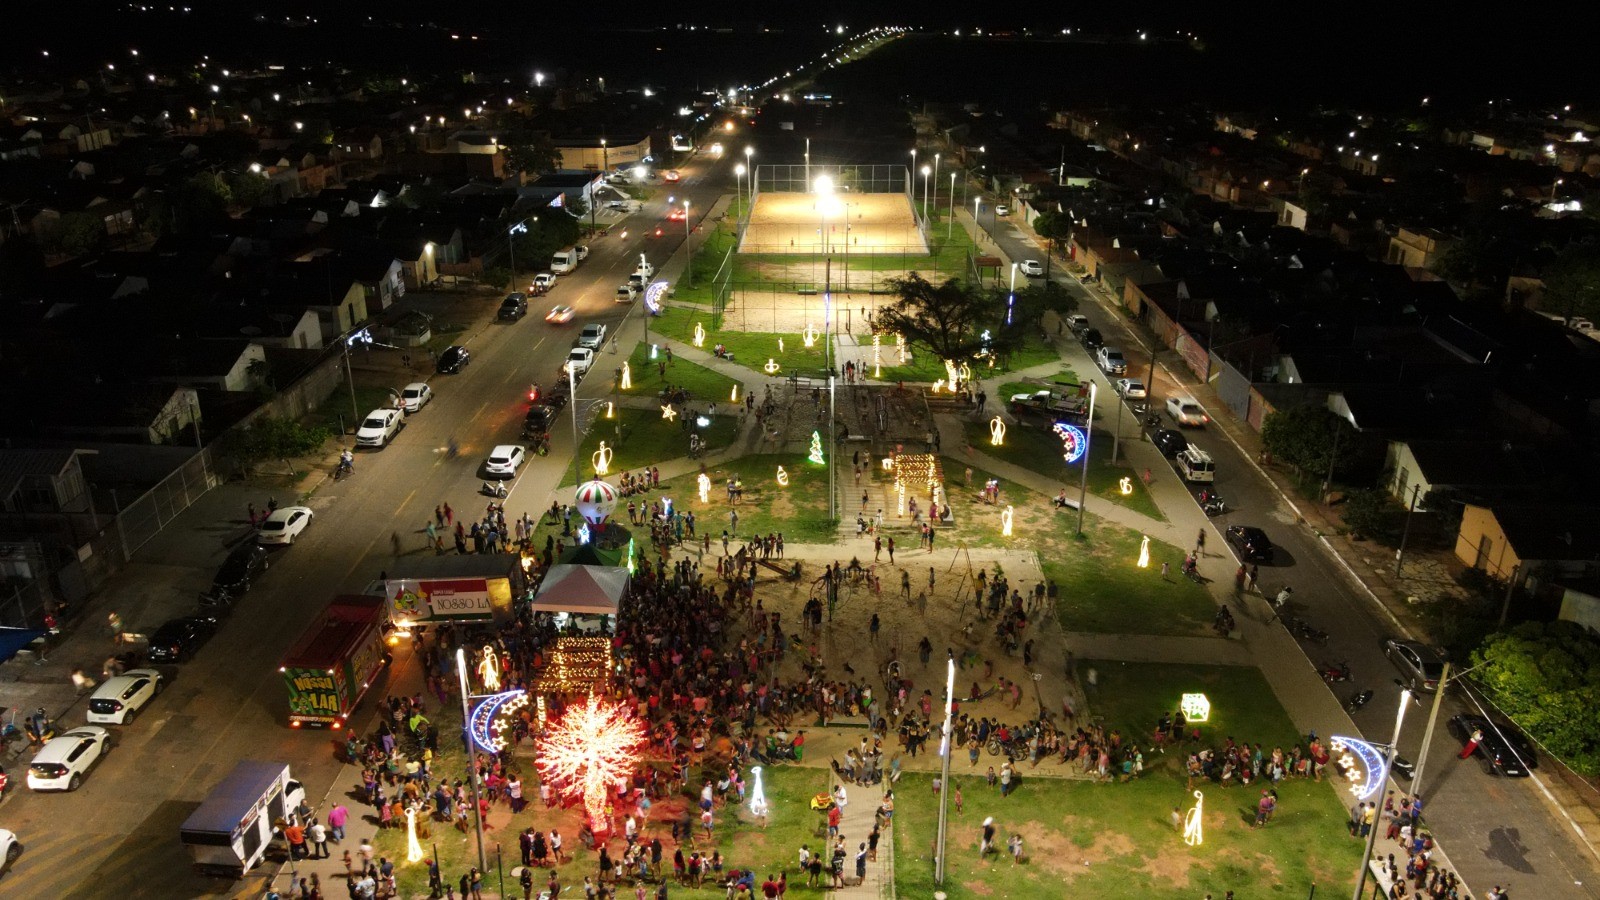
x: 1031, y: 445
x: 1065, y: 378
x: 751, y: 349
x: 702, y: 383
x: 1102, y: 588
x: 799, y: 511
x: 646, y: 439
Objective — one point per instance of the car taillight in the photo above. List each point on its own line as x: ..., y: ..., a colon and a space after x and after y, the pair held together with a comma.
x: 116, y: 706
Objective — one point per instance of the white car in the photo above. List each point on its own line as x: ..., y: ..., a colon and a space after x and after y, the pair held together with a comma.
x: 380, y: 426
x: 1185, y: 411
x: 1031, y: 268
x: 61, y: 762
x: 415, y: 396
x: 1131, y: 389
x: 544, y: 281
x: 10, y: 849
x: 592, y: 336
x: 579, y: 361
x: 1002, y: 210
x: 644, y: 268
x: 284, y: 525
x: 117, y: 700
x: 1111, y: 361
x: 560, y: 314
x: 504, y: 459
x: 626, y: 293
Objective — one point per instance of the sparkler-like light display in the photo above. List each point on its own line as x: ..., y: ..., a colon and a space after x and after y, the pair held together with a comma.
x: 1005, y: 522
x: 758, y: 797
x: 588, y: 752
x: 601, y: 459
x: 414, y: 852
x: 783, y: 477
x: 1144, y: 552
x: 627, y: 377
x: 704, y: 484
x: 1191, y: 822
x: 997, y: 431
x: 699, y: 335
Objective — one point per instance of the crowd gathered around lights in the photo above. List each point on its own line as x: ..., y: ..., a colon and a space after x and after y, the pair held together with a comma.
x: 601, y: 459
x: 588, y: 752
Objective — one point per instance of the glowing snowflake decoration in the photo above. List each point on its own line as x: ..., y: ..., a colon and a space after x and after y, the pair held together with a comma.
x: 588, y: 752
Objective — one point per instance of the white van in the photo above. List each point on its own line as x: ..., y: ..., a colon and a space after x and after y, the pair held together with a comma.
x: 1196, y: 465
x: 565, y: 261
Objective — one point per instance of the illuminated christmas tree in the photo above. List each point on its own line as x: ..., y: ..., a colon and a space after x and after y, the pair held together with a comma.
x: 816, y: 447
x: 588, y: 752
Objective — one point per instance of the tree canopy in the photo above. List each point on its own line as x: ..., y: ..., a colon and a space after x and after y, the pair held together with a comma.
x: 1303, y: 437
x: 1546, y: 676
x: 947, y: 318
x: 1572, y: 283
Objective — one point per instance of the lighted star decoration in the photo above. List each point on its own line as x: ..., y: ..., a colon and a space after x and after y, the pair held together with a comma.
x: 414, y: 852
x: 1005, y: 522
x: 816, y: 448
x: 783, y: 477
x: 667, y: 412
x: 997, y: 431
x: 1144, y: 552
x: 771, y: 368
x: 1125, y: 485
x: 1191, y: 822
x: 704, y: 483
x: 489, y: 670
x: 699, y: 335
x: 588, y: 752
x: 601, y: 459
x: 627, y: 377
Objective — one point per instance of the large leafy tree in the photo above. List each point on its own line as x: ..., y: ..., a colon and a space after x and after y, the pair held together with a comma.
x: 527, y: 149
x: 1546, y: 676
x: 947, y: 318
x: 1056, y: 229
x: 1572, y: 284
x: 1304, y: 437
x: 270, y: 437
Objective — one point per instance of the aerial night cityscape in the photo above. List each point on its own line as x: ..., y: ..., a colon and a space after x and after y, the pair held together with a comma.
x: 813, y: 450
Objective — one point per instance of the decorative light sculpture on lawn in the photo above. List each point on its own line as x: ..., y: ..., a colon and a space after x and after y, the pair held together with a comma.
x: 758, y: 797
x: 1005, y: 522
x: 780, y: 345
x: 1191, y: 822
x: 627, y: 377
x: 771, y: 368
x: 704, y: 483
x: 1144, y: 552
x: 667, y: 412
x: 734, y: 397
x: 1125, y: 485
x: 816, y: 448
x: 809, y: 336
x: 699, y: 335
x: 783, y: 477
x: 601, y: 459
x: 997, y: 431
x: 414, y: 852
x: 593, y: 748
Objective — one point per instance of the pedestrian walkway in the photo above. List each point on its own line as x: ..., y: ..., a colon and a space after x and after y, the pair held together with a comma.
x: 855, y: 824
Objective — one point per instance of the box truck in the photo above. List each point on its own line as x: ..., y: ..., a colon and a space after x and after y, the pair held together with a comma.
x: 334, y: 662
x: 565, y: 261
x: 230, y: 832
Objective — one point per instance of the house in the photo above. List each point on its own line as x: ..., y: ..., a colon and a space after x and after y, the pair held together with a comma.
x: 1516, y: 541
x: 1417, y: 248
x: 43, y: 481
x: 1418, y: 467
x: 602, y: 154
x: 225, y: 365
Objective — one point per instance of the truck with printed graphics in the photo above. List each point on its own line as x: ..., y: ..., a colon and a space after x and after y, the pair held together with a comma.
x: 430, y: 590
x: 335, y: 661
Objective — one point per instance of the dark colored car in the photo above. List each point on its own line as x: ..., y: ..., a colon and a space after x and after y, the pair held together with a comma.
x: 1091, y: 339
x: 1421, y: 665
x: 453, y: 360
x: 180, y: 639
x: 243, y: 566
x: 1503, y: 749
x: 538, y: 420
x: 1251, y: 542
x: 1169, y: 442
x: 514, y: 307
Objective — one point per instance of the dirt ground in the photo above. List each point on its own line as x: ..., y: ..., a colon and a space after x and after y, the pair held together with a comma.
x: 793, y: 222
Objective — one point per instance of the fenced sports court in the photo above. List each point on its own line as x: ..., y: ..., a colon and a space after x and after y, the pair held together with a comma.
x: 832, y: 210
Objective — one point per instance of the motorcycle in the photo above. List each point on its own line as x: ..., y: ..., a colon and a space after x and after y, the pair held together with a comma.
x: 1307, y: 632
x: 1358, y: 700
x: 1214, y: 506
x: 494, y: 488
x: 1333, y: 673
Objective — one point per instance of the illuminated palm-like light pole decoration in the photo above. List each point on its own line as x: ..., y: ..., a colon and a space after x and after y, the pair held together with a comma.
x: 1144, y: 552
x: 601, y: 459
x: 699, y: 335
x: 997, y: 431
x: 1005, y: 522
x: 627, y: 377
x: 588, y: 752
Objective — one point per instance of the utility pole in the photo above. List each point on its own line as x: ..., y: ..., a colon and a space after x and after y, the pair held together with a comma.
x: 1327, y: 483
x: 1083, y: 483
x: 472, y: 753
x: 1388, y: 766
x: 1427, y: 733
x: 1400, y: 556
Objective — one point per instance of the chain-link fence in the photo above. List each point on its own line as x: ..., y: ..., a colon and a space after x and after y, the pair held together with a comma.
x: 862, y: 179
x: 142, y: 519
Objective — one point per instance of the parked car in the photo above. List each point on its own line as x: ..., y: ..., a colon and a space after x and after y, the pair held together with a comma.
x: 1251, y: 542
x: 1077, y: 323
x: 1002, y: 209
x: 544, y: 281
x: 592, y: 336
x: 380, y: 426
x: 579, y: 361
x: 415, y: 396
x: 538, y: 420
x: 62, y: 762
x: 1169, y: 442
x: 559, y: 315
x: 1031, y: 268
x: 504, y: 460
x: 1186, y: 412
x: 1131, y: 389
x: 284, y: 525
x: 10, y: 849
x: 181, y: 638
x: 514, y: 306
x: 453, y: 360
x: 119, y: 698
x: 1091, y: 340
x: 1502, y: 748
x: 1420, y: 666
x: 626, y: 293
x: 1110, y: 361
x: 241, y: 568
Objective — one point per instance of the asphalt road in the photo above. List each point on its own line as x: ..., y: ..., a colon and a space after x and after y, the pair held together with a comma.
x: 1495, y: 830
x: 117, y: 836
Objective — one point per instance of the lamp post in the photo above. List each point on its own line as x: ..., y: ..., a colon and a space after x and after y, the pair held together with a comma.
x: 936, y: 156
x: 1388, y: 763
x: 977, y: 207
x: 688, y: 250
x: 944, y: 765
x: 1088, y: 432
x: 1011, y: 297
x: 925, y: 171
x: 949, y: 228
x: 738, y: 181
x: 472, y: 752
x: 808, y: 160
x: 572, y: 401
x: 750, y: 169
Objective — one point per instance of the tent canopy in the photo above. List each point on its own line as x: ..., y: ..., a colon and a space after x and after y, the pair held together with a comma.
x: 13, y: 640
x: 582, y: 590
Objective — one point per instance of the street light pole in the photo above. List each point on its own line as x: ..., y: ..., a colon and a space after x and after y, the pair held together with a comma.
x: 472, y: 752
x: 688, y: 250
x: 944, y: 766
x: 1388, y: 764
x: 1400, y: 556
x: 1088, y: 431
x: 1427, y: 733
x: 949, y: 228
x: 572, y: 401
